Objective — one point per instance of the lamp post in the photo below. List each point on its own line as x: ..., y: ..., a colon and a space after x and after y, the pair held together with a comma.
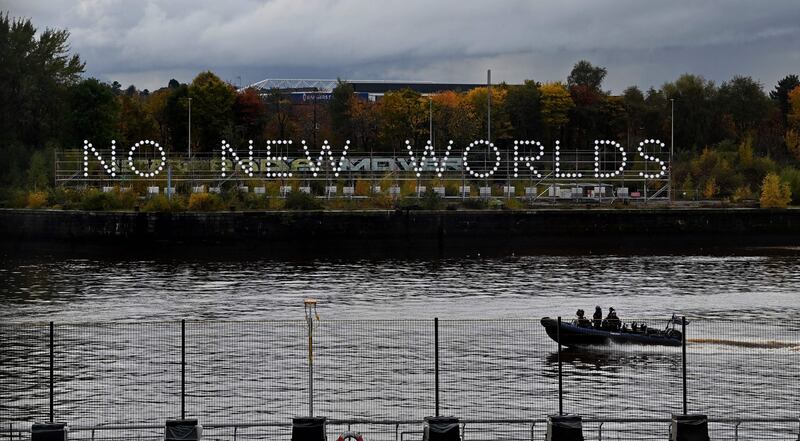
x: 671, y: 145
x: 310, y: 306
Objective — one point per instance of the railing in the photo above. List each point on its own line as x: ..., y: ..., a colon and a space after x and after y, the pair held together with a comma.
x: 239, y: 375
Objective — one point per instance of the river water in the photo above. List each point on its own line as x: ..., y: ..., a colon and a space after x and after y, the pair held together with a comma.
x: 246, y: 340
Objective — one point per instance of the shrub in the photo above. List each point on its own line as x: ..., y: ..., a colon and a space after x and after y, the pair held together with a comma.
x: 205, y: 202
x: 160, y: 203
x: 430, y: 200
x: 37, y: 199
x: 297, y: 200
x: 774, y: 194
x: 96, y: 200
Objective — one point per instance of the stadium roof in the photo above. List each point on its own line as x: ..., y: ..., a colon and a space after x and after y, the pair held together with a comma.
x: 368, y: 86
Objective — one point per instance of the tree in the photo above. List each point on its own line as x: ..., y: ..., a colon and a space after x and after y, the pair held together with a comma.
x: 454, y: 119
x: 501, y: 124
x: 405, y: 116
x: 793, y: 118
x: 35, y: 71
x: 781, y: 93
x: 587, y: 75
x: 176, y: 117
x: 134, y: 122
x: 694, y: 111
x: 522, y: 108
x: 774, y: 194
x: 744, y: 100
x: 341, y: 110
x: 249, y: 114
x: 278, y: 107
x: 555, y: 106
x: 93, y: 113
x: 212, y: 101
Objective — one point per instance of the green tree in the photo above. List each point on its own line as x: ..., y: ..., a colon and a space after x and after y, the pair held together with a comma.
x: 341, y: 111
x: 522, y: 108
x: 35, y: 71
x: 745, y: 101
x: 585, y: 74
x: 176, y: 118
x: 694, y: 111
x: 134, y: 123
x: 212, y: 116
x: 94, y: 112
x: 405, y: 116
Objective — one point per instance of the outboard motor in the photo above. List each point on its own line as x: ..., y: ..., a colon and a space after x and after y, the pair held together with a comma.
x: 49, y: 432
x: 564, y: 428
x: 441, y: 429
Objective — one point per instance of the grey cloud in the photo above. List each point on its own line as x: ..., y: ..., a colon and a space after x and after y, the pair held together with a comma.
x: 640, y: 42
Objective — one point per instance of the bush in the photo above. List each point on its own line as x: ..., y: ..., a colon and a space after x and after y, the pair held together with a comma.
x: 297, y: 200
x: 430, y: 200
x: 775, y: 194
x: 205, y: 202
x: 37, y: 199
x: 160, y: 203
x: 96, y: 200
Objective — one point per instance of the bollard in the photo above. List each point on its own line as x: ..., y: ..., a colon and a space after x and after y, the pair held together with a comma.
x: 441, y: 429
x: 564, y: 428
x: 689, y: 428
x: 182, y: 430
x: 309, y: 429
x: 49, y: 432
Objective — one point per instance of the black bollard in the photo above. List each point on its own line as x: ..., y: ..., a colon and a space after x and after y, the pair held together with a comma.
x: 182, y: 430
x: 564, y: 428
x: 309, y: 429
x: 441, y: 429
x: 49, y: 432
x: 689, y: 428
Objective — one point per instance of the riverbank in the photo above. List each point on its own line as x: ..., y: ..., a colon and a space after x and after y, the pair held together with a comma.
x: 517, y: 230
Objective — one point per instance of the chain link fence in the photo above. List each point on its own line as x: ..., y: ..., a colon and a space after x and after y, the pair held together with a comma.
x: 247, y: 379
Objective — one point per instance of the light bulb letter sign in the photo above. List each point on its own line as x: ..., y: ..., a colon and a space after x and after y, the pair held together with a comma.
x: 491, y: 149
x: 661, y: 168
x: 247, y: 167
x: 109, y: 167
x: 152, y: 170
x: 600, y: 146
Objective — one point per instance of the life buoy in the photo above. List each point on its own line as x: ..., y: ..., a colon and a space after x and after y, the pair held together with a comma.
x: 350, y: 435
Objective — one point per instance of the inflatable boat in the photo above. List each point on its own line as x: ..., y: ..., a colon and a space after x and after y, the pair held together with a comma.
x: 573, y: 335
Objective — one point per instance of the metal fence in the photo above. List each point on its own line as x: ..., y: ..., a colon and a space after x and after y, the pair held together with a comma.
x: 247, y: 379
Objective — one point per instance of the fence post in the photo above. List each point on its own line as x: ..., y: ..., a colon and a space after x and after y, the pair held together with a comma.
x: 683, y: 344
x: 183, y: 369
x: 560, y: 378
x: 436, y: 360
x: 52, y: 364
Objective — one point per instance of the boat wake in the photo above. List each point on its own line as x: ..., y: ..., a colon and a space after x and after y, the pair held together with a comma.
x: 752, y: 344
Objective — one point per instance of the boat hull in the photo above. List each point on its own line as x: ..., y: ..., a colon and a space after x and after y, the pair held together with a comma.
x: 572, y: 335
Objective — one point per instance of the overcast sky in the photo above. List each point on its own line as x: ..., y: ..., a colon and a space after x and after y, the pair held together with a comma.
x: 642, y: 42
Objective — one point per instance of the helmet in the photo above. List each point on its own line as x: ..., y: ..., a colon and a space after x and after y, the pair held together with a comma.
x: 580, y: 312
x: 597, y: 307
x: 610, y: 308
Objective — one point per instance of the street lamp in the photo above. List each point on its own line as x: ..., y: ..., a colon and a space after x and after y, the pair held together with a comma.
x: 671, y: 144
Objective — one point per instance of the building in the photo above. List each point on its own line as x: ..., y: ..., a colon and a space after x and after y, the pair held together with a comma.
x: 305, y: 91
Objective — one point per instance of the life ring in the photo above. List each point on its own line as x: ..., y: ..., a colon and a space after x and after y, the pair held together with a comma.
x: 350, y: 435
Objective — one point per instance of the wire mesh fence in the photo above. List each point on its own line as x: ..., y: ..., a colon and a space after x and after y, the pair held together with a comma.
x: 246, y: 380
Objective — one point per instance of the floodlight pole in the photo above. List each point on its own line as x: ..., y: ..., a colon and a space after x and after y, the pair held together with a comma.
x: 671, y: 146
x: 191, y: 169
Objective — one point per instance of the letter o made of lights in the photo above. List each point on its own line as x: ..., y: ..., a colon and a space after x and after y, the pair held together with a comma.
x: 598, y: 144
x: 155, y: 146
x: 486, y: 173
x: 647, y: 157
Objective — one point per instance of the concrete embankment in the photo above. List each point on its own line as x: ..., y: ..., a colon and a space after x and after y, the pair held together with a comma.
x: 511, y: 230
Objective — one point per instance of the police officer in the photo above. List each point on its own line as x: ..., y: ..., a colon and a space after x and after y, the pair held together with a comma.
x: 597, y: 318
x: 613, y: 321
x: 582, y: 321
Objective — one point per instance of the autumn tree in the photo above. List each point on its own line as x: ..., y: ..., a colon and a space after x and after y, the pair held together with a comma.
x: 212, y: 101
x: 340, y: 107
x: 134, y: 122
x: 556, y: 103
x: 781, y: 94
x: 454, y: 119
x: 278, y: 110
x: 774, y: 194
x: 405, y: 116
x: 249, y: 114
x: 501, y: 124
x: 743, y: 99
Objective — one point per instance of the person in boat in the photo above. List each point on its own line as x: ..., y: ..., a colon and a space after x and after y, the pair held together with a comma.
x: 582, y: 321
x: 597, y: 318
x: 612, y: 321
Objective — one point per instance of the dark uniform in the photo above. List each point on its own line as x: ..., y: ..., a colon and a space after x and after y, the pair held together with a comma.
x: 597, y: 318
x: 582, y: 321
x: 612, y: 320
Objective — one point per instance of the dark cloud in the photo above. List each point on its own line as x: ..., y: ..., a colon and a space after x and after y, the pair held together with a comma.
x: 640, y: 42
